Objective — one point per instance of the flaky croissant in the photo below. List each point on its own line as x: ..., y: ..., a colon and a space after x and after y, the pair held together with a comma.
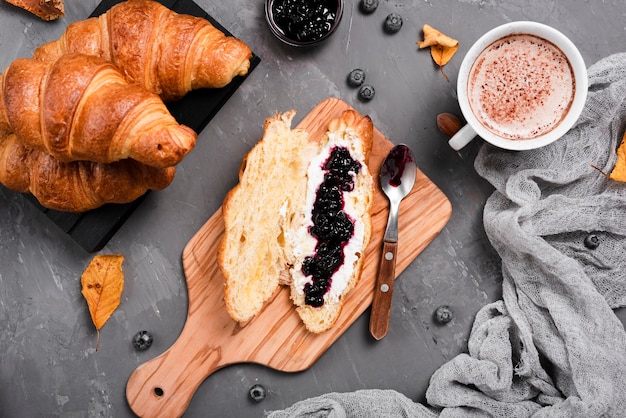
x: 81, y: 108
x: 168, y: 53
x: 77, y: 186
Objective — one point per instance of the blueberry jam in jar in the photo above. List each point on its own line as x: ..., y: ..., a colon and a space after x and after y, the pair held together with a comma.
x: 332, y: 227
x: 304, y: 20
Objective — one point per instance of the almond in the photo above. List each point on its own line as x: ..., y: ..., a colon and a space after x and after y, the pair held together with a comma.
x: 448, y: 124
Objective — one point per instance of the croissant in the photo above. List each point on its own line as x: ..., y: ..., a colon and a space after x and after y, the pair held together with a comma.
x: 76, y: 186
x: 44, y: 9
x: 81, y: 108
x: 168, y: 53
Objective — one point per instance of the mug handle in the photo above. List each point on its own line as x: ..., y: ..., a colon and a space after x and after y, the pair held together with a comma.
x: 463, y: 137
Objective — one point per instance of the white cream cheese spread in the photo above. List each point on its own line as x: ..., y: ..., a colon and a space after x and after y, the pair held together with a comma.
x: 304, y: 244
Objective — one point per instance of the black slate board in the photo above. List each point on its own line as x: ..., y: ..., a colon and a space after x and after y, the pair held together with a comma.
x: 93, y: 229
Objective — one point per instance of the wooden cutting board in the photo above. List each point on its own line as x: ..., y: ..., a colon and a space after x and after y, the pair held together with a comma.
x: 210, y: 339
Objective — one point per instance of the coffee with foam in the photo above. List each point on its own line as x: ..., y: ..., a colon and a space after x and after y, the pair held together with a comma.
x: 521, y: 87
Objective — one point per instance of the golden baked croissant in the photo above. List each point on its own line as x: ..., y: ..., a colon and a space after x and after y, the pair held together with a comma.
x: 76, y: 186
x: 168, y: 53
x: 81, y: 108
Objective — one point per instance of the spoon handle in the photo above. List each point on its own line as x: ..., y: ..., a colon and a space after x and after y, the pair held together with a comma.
x: 381, y: 305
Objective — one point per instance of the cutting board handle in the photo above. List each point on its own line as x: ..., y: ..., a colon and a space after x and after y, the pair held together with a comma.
x: 165, y: 385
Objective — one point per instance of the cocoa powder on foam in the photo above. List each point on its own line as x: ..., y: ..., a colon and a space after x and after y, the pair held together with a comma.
x: 521, y: 86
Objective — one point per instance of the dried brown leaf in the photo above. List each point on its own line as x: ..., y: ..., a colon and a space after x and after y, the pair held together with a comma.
x: 102, y: 285
x: 442, y: 47
x: 619, y: 171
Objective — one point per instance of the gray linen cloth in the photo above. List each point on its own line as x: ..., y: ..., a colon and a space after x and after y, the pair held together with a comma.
x: 552, y: 347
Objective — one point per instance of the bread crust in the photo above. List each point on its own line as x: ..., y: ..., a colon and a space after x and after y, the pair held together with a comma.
x: 242, y: 305
x: 362, y: 125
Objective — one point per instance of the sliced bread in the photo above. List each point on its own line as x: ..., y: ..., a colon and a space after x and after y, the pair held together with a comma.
x: 275, y: 222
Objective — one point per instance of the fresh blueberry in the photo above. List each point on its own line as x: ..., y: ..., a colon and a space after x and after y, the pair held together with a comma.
x: 142, y: 340
x: 592, y: 241
x: 393, y: 23
x: 366, y: 92
x: 257, y: 392
x: 443, y: 314
x: 356, y: 77
x: 369, y: 6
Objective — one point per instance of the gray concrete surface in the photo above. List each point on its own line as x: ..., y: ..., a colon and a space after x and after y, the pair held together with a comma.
x: 48, y: 365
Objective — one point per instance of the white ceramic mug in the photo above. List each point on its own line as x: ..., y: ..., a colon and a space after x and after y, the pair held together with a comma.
x: 475, y: 128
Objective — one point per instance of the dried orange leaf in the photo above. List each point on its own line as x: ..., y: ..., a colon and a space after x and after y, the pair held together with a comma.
x: 619, y: 171
x: 102, y: 284
x: 442, y: 54
x: 442, y: 47
x: 433, y: 37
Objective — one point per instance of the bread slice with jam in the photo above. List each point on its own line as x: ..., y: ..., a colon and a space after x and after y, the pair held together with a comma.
x: 299, y: 216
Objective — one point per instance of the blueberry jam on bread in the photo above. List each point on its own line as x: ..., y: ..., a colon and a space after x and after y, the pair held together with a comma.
x: 307, y: 231
x: 332, y: 227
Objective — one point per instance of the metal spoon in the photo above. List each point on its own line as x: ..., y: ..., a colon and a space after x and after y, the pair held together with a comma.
x: 397, y: 177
